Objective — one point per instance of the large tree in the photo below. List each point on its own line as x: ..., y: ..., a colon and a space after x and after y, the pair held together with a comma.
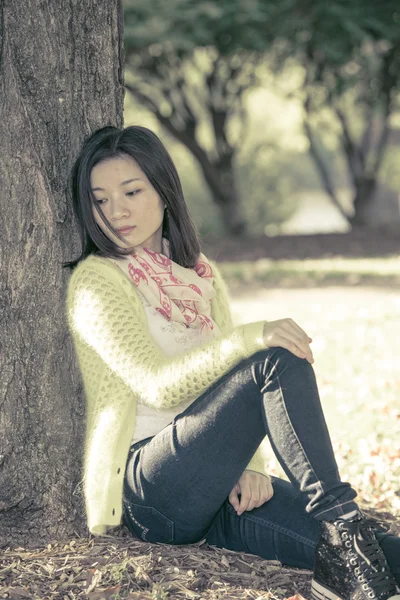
x: 61, y: 78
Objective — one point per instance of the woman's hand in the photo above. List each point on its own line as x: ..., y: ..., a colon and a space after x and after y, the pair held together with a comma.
x: 287, y: 334
x: 255, y: 489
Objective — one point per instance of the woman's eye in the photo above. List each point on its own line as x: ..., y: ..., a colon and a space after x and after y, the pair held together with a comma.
x: 100, y: 201
x: 132, y: 193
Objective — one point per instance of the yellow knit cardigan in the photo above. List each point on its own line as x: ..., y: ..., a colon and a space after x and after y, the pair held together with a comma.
x: 120, y: 364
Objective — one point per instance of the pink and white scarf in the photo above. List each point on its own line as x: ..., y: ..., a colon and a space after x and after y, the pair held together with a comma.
x: 178, y: 293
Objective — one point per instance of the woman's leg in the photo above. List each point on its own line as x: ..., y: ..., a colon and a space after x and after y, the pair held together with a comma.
x: 176, y: 482
x: 281, y: 530
x: 187, y: 470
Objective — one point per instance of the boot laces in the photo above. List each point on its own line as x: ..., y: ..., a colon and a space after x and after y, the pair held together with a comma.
x: 368, y: 559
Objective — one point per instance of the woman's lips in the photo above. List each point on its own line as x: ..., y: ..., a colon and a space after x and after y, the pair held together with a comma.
x: 126, y: 229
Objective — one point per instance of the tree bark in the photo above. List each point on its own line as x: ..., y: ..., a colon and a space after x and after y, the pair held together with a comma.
x: 61, y: 78
x: 364, y: 196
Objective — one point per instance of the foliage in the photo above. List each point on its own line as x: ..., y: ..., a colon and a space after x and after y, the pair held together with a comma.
x: 227, y: 25
x: 350, y: 53
x: 266, y: 193
x: 266, y: 188
x: 184, y: 63
x: 192, y: 63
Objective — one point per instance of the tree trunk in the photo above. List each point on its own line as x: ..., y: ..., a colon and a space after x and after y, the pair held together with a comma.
x: 223, y: 187
x: 364, y: 196
x: 376, y: 205
x: 61, y: 78
x: 218, y: 175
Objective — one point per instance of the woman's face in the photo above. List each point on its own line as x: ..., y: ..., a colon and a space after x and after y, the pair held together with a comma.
x: 127, y: 199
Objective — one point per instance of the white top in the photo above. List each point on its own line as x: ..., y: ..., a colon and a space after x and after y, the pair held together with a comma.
x: 173, y: 339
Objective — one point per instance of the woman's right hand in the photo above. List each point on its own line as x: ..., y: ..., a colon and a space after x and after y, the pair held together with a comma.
x: 287, y: 334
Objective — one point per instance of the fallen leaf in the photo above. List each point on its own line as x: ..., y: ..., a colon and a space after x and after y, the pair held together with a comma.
x: 106, y: 593
x: 18, y: 592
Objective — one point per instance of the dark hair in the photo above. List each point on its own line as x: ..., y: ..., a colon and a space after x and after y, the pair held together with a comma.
x: 153, y: 158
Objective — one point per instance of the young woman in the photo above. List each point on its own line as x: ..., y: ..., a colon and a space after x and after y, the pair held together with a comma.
x: 179, y: 399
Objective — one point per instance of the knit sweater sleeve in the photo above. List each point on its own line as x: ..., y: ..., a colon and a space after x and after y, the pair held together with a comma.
x: 222, y: 316
x: 220, y: 308
x: 105, y: 314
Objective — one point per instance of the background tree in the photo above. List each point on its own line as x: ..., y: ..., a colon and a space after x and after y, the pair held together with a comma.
x: 61, y: 78
x: 350, y: 55
x: 191, y: 63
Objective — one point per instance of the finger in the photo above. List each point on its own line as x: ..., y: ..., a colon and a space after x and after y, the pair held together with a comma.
x: 270, y: 491
x: 300, y: 332
x: 284, y: 342
x: 294, y: 335
x: 245, y: 500
x: 300, y: 337
x: 234, y: 498
x: 303, y: 346
x: 299, y: 329
x: 254, y: 502
x: 266, y: 493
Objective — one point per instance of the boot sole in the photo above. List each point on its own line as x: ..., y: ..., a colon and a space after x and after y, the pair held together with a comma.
x: 321, y: 592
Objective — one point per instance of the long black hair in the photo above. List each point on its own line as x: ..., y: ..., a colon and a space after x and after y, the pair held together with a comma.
x: 154, y: 160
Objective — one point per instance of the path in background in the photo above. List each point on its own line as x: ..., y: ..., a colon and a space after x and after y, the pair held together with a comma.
x: 357, y: 243
x: 315, y: 213
x: 356, y: 346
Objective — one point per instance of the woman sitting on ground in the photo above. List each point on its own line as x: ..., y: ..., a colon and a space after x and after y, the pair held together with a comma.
x: 179, y: 399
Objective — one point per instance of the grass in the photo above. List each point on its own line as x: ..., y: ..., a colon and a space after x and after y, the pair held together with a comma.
x: 356, y: 346
x: 291, y: 273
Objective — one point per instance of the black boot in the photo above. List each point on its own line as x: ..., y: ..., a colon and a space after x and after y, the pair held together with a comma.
x: 350, y: 564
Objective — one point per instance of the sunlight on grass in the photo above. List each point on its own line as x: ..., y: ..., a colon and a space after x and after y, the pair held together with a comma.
x: 326, y: 270
x: 356, y: 345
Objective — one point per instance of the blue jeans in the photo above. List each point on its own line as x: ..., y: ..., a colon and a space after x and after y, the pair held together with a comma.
x: 177, y: 483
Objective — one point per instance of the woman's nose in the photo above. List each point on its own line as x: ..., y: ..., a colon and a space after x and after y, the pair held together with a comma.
x: 118, y: 209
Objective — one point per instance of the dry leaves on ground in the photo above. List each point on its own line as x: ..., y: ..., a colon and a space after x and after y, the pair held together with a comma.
x: 120, y: 567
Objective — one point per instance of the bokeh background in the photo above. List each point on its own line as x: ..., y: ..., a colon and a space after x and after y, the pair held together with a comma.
x: 282, y: 116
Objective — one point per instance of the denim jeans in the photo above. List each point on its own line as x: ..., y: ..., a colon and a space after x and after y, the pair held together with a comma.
x: 177, y: 483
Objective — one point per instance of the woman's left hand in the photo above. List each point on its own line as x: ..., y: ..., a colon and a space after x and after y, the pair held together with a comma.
x: 254, y: 488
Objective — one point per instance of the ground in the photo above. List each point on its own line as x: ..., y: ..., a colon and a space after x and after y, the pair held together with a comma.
x: 117, y: 566
x: 355, y: 329
x: 359, y: 243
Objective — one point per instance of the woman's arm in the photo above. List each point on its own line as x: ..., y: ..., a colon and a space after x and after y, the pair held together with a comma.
x: 106, y: 317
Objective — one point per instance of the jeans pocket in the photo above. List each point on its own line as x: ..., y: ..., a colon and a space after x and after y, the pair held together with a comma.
x: 148, y: 524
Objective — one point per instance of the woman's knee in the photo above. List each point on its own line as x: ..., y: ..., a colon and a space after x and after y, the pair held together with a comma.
x: 280, y: 358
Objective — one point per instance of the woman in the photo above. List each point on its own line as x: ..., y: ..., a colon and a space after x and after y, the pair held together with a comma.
x: 179, y: 400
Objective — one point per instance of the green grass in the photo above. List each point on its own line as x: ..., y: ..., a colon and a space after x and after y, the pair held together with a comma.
x: 356, y: 346
x: 337, y: 271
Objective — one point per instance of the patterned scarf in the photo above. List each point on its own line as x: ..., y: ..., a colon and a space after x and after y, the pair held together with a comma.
x: 178, y: 293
